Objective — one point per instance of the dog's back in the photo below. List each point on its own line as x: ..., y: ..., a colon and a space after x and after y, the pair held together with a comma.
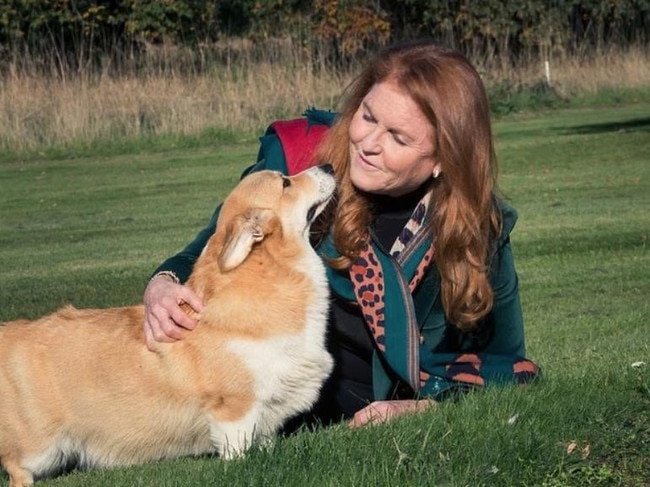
x: 81, y: 386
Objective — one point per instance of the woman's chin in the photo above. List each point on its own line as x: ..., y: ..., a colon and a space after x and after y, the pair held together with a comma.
x: 367, y: 181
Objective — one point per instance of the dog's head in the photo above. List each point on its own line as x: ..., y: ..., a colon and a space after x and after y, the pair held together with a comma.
x: 267, y: 203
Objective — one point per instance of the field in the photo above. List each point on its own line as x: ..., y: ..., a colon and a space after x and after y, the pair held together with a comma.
x: 89, y: 231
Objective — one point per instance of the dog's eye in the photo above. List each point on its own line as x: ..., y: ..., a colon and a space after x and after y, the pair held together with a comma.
x: 286, y: 182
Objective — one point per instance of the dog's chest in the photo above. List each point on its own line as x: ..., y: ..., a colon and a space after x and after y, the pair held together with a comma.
x: 293, y: 365
x: 287, y: 368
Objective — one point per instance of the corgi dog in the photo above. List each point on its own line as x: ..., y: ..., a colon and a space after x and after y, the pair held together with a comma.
x: 80, y: 387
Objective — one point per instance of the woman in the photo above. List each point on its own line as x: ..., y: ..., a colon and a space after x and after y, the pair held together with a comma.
x: 425, y: 294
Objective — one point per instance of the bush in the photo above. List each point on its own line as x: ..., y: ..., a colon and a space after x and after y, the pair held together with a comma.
x: 508, y: 97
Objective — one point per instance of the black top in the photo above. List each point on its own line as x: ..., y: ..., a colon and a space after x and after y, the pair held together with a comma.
x: 350, y: 341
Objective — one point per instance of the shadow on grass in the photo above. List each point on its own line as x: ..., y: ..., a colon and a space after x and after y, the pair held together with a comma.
x: 634, y: 125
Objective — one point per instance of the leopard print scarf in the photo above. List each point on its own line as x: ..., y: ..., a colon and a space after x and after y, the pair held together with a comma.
x: 368, y: 279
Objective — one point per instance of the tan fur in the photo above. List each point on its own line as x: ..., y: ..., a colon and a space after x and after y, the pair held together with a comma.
x: 80, y: 385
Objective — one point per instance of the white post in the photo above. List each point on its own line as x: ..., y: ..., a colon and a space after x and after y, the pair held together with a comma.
x: 547, y: 71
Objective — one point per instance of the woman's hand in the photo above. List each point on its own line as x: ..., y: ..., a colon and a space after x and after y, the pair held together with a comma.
x: 382, y: 411
x: 164, y: 319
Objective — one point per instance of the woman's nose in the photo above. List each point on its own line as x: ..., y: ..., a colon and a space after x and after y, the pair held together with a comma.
x: 371, y: 143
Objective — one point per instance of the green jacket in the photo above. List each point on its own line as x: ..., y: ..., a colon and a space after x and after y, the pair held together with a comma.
x: 452, y: 360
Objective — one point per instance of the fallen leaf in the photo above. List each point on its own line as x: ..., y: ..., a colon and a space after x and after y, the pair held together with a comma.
x: 571, y: 447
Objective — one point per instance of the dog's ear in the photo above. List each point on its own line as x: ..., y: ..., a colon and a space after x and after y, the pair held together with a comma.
x: 246, y: 230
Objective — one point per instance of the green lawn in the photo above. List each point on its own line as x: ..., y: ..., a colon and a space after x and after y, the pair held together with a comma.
x: 90, y: 230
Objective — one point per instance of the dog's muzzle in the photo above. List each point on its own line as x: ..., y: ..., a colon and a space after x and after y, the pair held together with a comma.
x: 326, y: 168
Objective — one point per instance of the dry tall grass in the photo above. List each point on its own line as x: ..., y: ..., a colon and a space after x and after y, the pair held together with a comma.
x: 38, y: 111
x: 571, y: 75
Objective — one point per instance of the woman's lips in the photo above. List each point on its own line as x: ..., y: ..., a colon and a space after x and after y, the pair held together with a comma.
x: 363, y: 162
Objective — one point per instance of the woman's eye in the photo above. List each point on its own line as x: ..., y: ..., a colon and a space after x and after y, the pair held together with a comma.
x: 286, y: 182
x: 397, y: 138
x: 368, y: 118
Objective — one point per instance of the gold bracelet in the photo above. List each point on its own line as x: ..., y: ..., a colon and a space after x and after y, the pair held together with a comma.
x: 172, y: 275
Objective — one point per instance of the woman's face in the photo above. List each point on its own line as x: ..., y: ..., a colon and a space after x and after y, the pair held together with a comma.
x: 391, y: 143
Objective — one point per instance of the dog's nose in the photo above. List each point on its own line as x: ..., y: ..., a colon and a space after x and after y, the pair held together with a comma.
x: 326, y: 168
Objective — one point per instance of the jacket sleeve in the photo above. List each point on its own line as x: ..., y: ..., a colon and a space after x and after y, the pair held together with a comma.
x: 270, y: 157
x: 497, y: 357
x: 506, y: 315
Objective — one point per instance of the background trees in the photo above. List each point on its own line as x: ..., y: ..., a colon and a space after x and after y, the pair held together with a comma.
x: 112, y: 34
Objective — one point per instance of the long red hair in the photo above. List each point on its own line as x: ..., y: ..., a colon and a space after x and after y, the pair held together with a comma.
x: 464, y: 217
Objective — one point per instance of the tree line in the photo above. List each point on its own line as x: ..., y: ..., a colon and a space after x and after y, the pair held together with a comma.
x: 82, y: 33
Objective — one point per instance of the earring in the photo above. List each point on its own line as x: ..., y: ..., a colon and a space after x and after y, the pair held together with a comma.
x: 436, y: 172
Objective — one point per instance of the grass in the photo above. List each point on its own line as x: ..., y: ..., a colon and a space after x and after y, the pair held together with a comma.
x: 90, y: 230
